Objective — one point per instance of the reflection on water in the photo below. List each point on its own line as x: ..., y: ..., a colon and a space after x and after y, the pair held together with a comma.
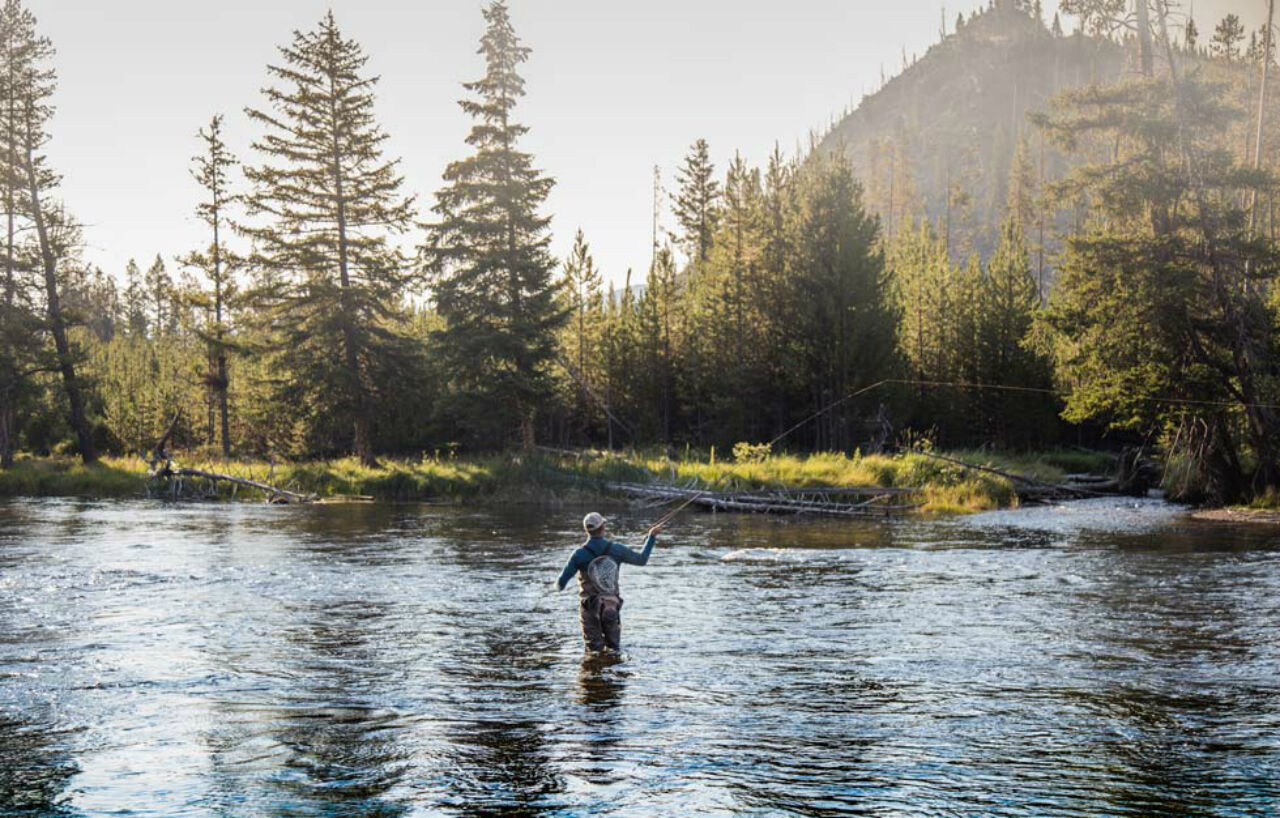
x: 1106, y: 657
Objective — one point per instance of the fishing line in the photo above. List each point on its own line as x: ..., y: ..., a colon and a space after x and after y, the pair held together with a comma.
x: 1219, y: 404
x: 671, y: 515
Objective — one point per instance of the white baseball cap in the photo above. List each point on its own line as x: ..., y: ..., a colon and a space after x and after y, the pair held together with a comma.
x: 593, y: 521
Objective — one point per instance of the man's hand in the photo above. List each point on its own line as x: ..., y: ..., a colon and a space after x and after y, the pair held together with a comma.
x: 655, y: 530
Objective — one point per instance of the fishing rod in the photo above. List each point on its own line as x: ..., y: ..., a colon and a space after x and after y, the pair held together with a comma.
x: 671, y: 515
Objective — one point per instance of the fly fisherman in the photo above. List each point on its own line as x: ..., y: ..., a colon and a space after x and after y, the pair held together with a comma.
x: 596, y: 564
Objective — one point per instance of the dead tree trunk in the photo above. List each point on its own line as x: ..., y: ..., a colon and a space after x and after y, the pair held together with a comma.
x: 1262, y: 102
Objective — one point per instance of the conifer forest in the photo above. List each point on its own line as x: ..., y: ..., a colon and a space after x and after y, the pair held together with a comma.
x: 1040, y: 233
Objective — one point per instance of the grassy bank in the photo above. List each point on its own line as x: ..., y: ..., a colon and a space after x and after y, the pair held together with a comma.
x: 393, y: 480
x: 944, y: 487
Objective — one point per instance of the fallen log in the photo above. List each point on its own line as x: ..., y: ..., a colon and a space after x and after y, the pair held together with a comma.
x: 275, y: 494
x: 775, y: 503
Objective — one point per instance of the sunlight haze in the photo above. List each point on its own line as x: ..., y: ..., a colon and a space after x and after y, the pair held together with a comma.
x: 613, y: 89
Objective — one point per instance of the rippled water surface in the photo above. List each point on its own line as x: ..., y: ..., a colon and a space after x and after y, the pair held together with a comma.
x: 1103, y: 658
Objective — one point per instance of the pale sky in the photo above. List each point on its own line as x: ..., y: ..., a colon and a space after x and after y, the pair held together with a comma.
x: 613, y: 89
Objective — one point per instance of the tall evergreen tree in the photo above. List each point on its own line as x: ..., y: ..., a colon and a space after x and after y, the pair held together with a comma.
x: 740, y: 215
x: 21, y: 337
x: 844, y: 326
x: 697, y: 203
x: 158, y: 292
x: 135, y: 307
x: 585, y: 302
x: 488, y: 251
x: 1010, y: 300
x: 656, y: 330
x: 30, y: 85
x: 1021, y: 203
x: 210, y: 170
x: 1164, y: 293
x: 331, y: 202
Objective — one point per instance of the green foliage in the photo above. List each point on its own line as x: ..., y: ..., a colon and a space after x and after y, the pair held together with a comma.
x: 331, y: 285
x: 1159, y: 322
x: 219, y: 303
x: 962, y: 332
x: 491, y: 269
x: 795, y: 289
x: 697, y: 203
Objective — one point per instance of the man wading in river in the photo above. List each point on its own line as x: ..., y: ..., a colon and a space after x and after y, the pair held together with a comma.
x: 596, y: 563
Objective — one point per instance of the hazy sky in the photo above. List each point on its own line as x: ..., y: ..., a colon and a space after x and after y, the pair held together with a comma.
x: 613, y: 89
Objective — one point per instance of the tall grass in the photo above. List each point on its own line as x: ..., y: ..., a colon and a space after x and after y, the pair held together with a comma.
x: 942, y: 487
x: 65, y: 477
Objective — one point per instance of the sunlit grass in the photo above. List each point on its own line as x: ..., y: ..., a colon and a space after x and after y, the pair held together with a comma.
x: 943, y: 487
x: 67, y: 477
x: 1267, y: 501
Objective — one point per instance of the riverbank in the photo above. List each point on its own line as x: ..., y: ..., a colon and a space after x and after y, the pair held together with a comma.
x: 559, y: 477
x: 1238, y: 514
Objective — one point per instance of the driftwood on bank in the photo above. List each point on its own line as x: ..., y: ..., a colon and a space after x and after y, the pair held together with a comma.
x: 162, y: 469
x: 274, y: 494
x: 778, y: 501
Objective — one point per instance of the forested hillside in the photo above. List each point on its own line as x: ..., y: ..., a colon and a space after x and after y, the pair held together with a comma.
x: 939, y: 139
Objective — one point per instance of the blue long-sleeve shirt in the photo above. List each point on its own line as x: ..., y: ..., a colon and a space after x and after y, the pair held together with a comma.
x: 599, y: 547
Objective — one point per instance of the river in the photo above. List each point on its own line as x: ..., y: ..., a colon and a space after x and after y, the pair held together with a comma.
x: 1109, y: 657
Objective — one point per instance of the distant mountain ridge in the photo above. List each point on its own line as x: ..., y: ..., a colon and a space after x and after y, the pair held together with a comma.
x: 940, y: 138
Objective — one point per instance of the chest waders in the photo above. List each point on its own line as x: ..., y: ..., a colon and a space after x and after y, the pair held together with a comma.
x: 601, y: 605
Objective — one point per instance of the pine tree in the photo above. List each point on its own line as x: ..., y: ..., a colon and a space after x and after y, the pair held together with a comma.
x: 697, y: 204
x: 331, y: 202
x: 777, y: 208
x: 488, y: 253
x: 158, y: 290
x: 211, y: 169
x: 135, y: 307
x: 1021, y: 203
x: 29, y: 88
x: 21, y: 336
x: 1258, y: 42
x: 1164, y: 291
x: 844, y: 325
x: 921, y: 271
x: 658, y: 316
x: 1191, y: 35
x: 1010, y: 299
x: 583, y: 291
x: 740, y: 216
x: 1227, y: 38
x: 1101, y: 18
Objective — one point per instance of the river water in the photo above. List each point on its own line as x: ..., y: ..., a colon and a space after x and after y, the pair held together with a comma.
x: 1101, y: 658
